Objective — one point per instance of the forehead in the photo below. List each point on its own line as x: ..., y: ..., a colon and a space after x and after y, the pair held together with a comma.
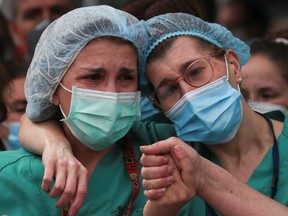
x: 28, y: 4
x: 106, y: 53
x: 108, y: 46
x: 183, y: 48
x: 261, y: 68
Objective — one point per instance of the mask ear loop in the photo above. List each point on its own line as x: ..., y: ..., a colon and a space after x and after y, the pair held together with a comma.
x: 228, y: 72
x: 65, y: 117
x: 227, y: 68
x: 65, y: 87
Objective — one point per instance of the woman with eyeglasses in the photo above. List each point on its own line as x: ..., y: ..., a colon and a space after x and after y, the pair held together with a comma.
x: 195, y: 69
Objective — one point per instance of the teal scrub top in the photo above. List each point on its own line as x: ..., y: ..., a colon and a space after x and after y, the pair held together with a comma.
x: 109, y: 188
x: 260, y: 180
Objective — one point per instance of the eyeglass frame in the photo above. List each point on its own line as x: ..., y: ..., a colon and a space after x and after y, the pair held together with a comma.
x: 207, y: 57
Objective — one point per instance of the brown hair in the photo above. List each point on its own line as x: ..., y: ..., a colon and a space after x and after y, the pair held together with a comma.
x: 162, y: 48
x: 146, y: 9
x: 277, y: 52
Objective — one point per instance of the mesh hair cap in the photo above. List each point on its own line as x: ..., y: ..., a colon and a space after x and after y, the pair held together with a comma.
x: 169, y: 25
x: 63, y: 40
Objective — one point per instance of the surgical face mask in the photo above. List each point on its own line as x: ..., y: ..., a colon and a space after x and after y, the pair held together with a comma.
x: 148, y: 111
x: 13, y: 139
x: 272, y: 111
x: 267, y: 107
x: 99, y: 119
x: 210, y: 114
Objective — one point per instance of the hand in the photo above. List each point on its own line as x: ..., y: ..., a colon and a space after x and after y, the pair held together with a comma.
x: 71, y: 177
x: 185, y: 164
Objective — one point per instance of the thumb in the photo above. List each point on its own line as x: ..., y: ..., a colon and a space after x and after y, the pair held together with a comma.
x: 185, y: 163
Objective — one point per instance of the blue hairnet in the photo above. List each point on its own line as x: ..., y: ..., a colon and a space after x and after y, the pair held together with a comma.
x: 63, y: 40
x: 169, y: 25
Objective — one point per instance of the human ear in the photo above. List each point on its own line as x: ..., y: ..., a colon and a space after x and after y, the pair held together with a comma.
x: 55, y: 98
x: 234, y: 65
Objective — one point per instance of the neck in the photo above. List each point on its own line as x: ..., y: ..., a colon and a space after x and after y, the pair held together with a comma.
x: 246, y: 150
x: 88, y: 157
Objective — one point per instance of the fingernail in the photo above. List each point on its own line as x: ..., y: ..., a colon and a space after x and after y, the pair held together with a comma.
x: 170, y: 179
x: 170, y: 170
x: 161, y: 191
x: 178, y: 149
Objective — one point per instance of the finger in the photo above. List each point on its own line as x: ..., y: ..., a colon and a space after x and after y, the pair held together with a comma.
x: 60, y: 181
x: 188, y: 165
x: 48, y: 176
x: 153, y: 160
x: 154, y: 193
x: 156, y: 172
x: 182, y: 159
x: 158, y: 183
x: 161, y: 147
x: 70, y: 186
x: 80, y: 193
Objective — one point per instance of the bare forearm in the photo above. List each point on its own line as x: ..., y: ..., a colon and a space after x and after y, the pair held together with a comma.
x: 229, y: 196
x: 35, y: 136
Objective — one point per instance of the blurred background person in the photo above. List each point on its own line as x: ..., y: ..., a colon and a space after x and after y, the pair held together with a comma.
x: 23, y: 15
x: 145, y: 9
x: 6, y: 44
x: 244, y: 18
x: 265, y: 76
x: 114, y: 3
x: 277, y: 15
x: 3, y: 110
x: 15, y: 101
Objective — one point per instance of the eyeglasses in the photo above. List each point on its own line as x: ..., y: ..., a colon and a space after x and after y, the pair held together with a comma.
x: 197, y: 74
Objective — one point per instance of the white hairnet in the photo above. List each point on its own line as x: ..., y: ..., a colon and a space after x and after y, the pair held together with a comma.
x: 174, y: 24
x: 170, y: 25
x: 62, y: 41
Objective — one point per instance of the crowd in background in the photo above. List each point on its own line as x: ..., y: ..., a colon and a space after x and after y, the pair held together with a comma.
x: 264, y: 84
x: 249, y: 20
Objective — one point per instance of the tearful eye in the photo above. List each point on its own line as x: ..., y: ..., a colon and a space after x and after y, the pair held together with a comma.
x: 94, y: 77
x: 199, y: 72
x: 33, y: 14
x: 126, y: 77
x: 167, y: 91
x: 194, y: 72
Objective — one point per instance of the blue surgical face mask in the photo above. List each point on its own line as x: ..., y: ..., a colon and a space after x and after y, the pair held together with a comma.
x: 98, y: 119
x: 148, y: 111
x: 13, y: 139
x: 210, y: 114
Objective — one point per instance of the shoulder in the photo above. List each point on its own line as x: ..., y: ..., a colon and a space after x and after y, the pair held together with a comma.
x: 19, y: 163
x: 21, y: 176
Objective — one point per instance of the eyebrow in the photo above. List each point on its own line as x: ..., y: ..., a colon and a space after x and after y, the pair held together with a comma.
x: 94, y: 70
x: 104, y: 70
x: 186, y: 64
x: 126, y: 70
